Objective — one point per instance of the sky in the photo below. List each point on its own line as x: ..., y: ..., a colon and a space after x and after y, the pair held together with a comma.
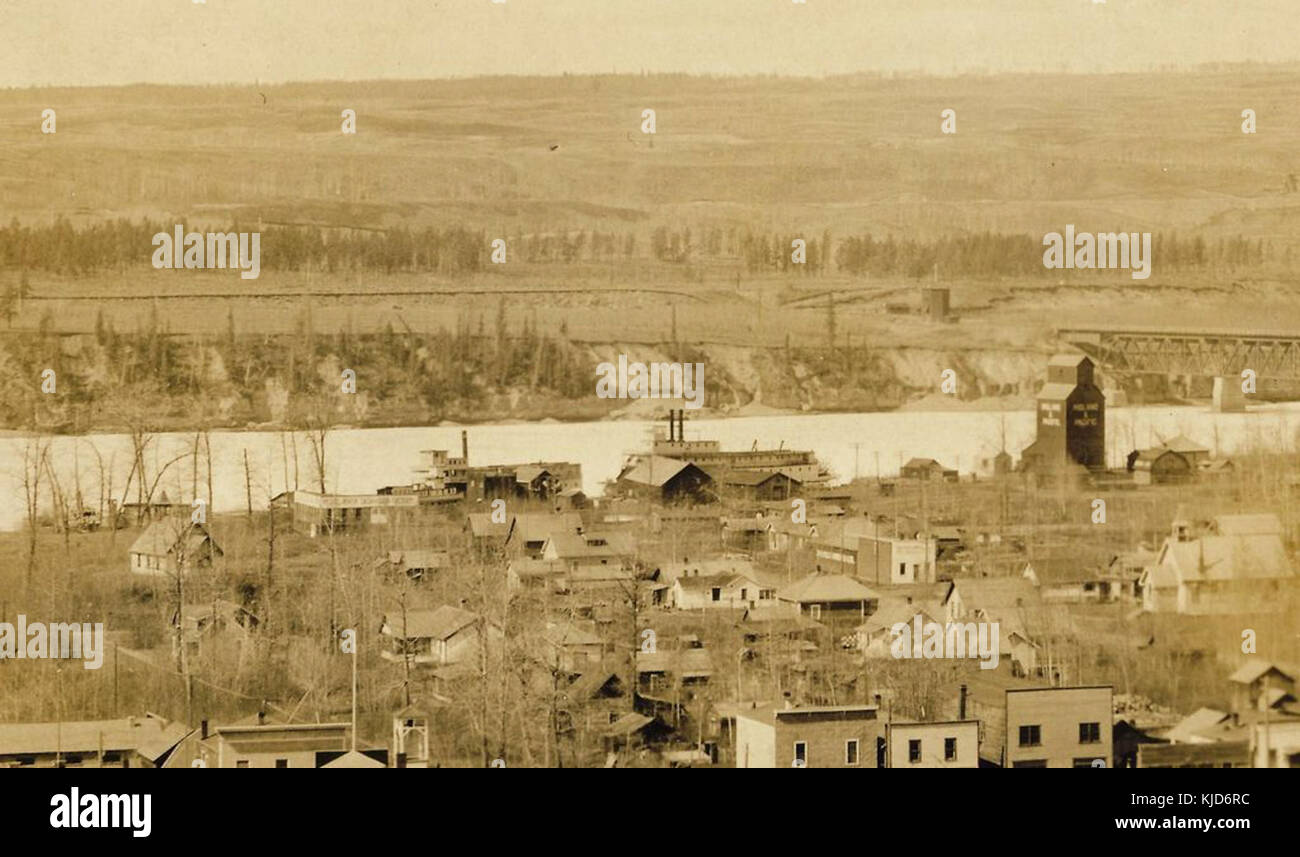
x: 110, y: 42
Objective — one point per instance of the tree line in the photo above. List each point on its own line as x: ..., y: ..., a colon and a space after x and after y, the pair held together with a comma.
x: 118, y: 245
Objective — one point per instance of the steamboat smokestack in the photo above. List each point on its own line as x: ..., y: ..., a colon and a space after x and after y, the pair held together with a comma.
x: 464, y: 445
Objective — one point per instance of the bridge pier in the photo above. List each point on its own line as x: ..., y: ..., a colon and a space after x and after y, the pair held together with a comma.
x: 1228, y: 398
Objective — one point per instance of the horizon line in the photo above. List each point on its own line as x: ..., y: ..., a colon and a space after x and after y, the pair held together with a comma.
x: 1213, y: 66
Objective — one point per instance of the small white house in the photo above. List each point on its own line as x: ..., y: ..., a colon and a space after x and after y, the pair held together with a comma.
x: 729, y: 590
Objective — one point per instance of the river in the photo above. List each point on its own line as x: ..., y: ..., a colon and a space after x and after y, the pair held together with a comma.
x: 362, y: 460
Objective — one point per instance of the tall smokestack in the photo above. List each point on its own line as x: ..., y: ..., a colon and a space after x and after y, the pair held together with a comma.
x: 464, y: 445
x: 961, y: 703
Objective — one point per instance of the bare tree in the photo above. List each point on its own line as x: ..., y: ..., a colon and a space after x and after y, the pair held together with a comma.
x: 35, y: 455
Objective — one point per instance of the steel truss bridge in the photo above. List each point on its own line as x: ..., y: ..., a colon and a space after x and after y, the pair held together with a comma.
x: 1180, y: 351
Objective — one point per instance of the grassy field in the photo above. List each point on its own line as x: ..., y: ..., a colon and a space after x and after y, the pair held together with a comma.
x: 530, y: 156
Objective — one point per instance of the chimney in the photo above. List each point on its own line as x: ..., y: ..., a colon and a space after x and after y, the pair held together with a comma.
x: 464, y: 445
x: 961, y: 703
x: 203, y: 729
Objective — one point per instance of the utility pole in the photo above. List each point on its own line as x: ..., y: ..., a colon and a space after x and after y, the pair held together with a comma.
x: 58, y: 736
x: 248, y: 484
x: 354, y: 694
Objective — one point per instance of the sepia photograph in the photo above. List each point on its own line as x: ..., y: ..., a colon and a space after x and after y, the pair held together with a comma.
x: 650, y: 384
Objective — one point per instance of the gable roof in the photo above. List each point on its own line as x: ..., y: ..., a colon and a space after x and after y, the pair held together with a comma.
x: 756, y: 477
x: 826, y: 588
x: 698, y: 582
x: 686, y: 663
x: 612, y: 544
x: 710, y: 567
x: 527, y: 567
x: 592, y: 684
x: 441, y: 623
x: 570, y: 634
x: 1193, y: 728
x: 354, y: 759
x: 654, y: 470
x: 1255, y: 556
x: 1067, y: 568
x: 149, y: 736
x: 996, y: 592
x: 1252, y: 671
x: 923, y: 462
x: 539, y: 526
x: 481, y: 526
x: 164, y: 536
x: 527, y: 473
x: 892, y: 611
x: 1150, y: 456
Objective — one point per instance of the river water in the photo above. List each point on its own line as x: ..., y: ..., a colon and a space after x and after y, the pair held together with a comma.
x: 362, y: 460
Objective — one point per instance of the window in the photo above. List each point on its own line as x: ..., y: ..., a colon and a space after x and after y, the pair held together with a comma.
x: 1030, y: 763
x: 801, y: 751
x: 914, y: 750
x: 242, y: 763
x: 1031, y: 736
x: 950, y: 749
x: 815, y: 611
x: 851, y: 751
x: 282, y: 763
x: 717, y: 594
x: 902, y: 569
x: 1086, y: 763
x: 1089, y: 733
